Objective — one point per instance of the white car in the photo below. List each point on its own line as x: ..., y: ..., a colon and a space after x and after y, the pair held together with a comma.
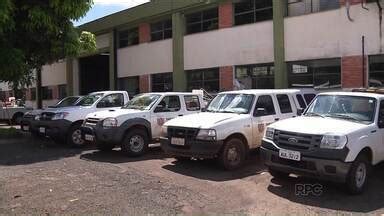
x: 138, y: 123
x: 63, y: 125
x: 339, y: 138
x: 233, y: 124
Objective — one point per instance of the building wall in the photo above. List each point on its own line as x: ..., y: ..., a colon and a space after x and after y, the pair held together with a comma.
x: 145, y: 58
x: 102, y: 41
x: 246, y: 44
x: 330, y: 34
x: 54, y: 74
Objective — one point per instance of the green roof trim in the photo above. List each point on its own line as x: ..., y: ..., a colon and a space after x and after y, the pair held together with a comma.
x: 154, y: 8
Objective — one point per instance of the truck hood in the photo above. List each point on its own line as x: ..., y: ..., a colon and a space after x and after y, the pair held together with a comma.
x: 114, y: 113
x: 39, y: 111
x: 202, y: 120
x: 317, y: 125
x: 67, y: 109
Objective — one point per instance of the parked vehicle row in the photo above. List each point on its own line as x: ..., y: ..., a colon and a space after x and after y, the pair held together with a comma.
x: 337, y: 136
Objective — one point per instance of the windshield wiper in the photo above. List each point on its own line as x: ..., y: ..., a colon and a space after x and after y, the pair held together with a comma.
x: 343, y: 116
x: 314, y: 114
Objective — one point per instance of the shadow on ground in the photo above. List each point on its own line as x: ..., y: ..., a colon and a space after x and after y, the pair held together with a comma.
x: 211, y: 170
x: 28, y: 150
x: 334, y: 196
x: 116, y: 156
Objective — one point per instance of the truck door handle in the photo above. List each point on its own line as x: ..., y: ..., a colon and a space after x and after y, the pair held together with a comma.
x: 181, y: 115
x: 277, y: 119
x: 374, y: 131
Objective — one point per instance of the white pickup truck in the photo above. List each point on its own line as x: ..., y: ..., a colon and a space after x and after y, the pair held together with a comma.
x: 338, y: 138
x: 12, y: 114
x: 139, y: 122
x: 233, y: 124
x: 63, y: 124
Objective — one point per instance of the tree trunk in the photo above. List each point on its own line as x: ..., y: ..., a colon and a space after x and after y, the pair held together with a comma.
x: 39, y: 99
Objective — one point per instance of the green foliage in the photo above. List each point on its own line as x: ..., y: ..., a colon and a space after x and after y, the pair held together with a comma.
x: 38, y: 32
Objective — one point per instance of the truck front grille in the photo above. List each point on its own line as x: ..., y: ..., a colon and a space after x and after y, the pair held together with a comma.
x: 180, y: 132
x: 91, y: 121
x: 46, y: 116
x: 296, y: 141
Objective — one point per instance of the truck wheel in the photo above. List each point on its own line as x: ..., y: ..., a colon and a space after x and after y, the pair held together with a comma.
x: 233, y: 154
x: 102, y: 146
x: 74, y: 138
x: 16, y: 119
x: 277, y: 174
x: 358, y: 175
x: 135, y: 143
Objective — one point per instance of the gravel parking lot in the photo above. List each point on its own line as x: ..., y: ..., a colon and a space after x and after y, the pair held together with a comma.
x: 40, y: 177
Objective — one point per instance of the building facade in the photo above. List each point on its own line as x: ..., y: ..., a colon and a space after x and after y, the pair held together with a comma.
x: 172, y: 45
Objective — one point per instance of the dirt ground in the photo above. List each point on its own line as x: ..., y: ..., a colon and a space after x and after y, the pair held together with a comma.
x: 40, y: 177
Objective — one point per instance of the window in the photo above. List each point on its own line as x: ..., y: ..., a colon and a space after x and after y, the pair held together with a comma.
x: 169, y: 104
x: 161, y: 30
x: 128, y: 37
x: 264, y: 106
x: 321, y: 74
x: 376, y: 71
x: 62, y: 91
x: 300, y: 99
x: 255, y: 76
x: 202, y: 21
x: 284, y: 103
x: 112, y: 100
x: 33, y: 94
x: 300, y: 7
x: 2, y: 96
x: 207, y: 79
x: 251, y: 11
x: 46, y: 93
x: 162, y: 82
x: 192, y: 102
x: 309, y: 97
x: 129, y: 84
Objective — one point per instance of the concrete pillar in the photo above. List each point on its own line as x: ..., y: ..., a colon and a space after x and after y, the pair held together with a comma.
x: 352, y: 74
x: 144, y: 33
x: 178, y: 29
x: 39, y: 95
x: 226, y: 14
x: 226, y: 78
x: 144, y: 83
x: 69, y: 71
x: 113, y: 60
x: 281, y: 75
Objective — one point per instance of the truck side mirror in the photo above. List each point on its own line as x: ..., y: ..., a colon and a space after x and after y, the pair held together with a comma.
x: 101, y: 104
x: 203, y: 109
x: 260, y: 111
x: 381, y: 123
x: 300, y: 111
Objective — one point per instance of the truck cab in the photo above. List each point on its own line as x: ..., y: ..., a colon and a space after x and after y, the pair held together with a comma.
x: 233, y: 123
x: 338, y: 138
x: 63, y: 124
x: 138, y: 123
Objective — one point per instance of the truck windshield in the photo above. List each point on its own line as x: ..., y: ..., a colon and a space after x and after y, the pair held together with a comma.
x: 351, y: 108
x: 68, y: 101
x: 231, y: 103
x: 89, y: 100
x: 142, y: 102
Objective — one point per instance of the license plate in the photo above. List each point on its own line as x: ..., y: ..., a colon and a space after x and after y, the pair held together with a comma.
x: 290, y: 155
x: 25, y: 128
x: 42, y: 130
x: 177, y: 141
x: 89, y: 137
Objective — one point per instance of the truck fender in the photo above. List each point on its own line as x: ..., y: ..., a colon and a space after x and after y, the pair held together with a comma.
x: 136, y: 122
x: 363, y: 144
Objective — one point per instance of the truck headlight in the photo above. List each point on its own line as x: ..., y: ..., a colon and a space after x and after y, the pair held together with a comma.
x: 269, y: 133
x: 206, y: 134
x: 37, y: 118
x: 110, y: 122
x: 60, y: 115
x: 164, y: 131
x: 331, y: 141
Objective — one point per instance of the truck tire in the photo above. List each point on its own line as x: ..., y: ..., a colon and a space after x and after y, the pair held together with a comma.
x: 135, y: 143
x: 74, y: 138
x: 358, y: 175
x: 16, y: 118
x: 105, y: 147
x: 277, y: 174
x: 232, y: 155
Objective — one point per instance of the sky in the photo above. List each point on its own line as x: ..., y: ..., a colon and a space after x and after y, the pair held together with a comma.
x: 103, y: 8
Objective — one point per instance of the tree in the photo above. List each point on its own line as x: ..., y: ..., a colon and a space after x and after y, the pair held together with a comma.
x: 38, y: 32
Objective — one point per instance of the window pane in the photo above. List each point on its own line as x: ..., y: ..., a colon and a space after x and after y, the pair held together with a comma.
x: 204, y: 78
x: 62, y: 91
x: 194, y: 28
x: 170, y: 104
x: 168, y: 34
x: 192, y: 18
x: 244, y: 18
x: 264, y: 15
x: 376, y: 71
x: 210, y: 14
x: 309, y: 97
x: 162, y: 82
x: 210, y: 25
x: 156, y: 36
x: 113, y: 100
x: 264, y: 106
x: 300, y: 99
x: 263, y: 3
x: 284, y: 104
x: 129, y: 84
x: 244, y: 6
x: 192, y: 102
